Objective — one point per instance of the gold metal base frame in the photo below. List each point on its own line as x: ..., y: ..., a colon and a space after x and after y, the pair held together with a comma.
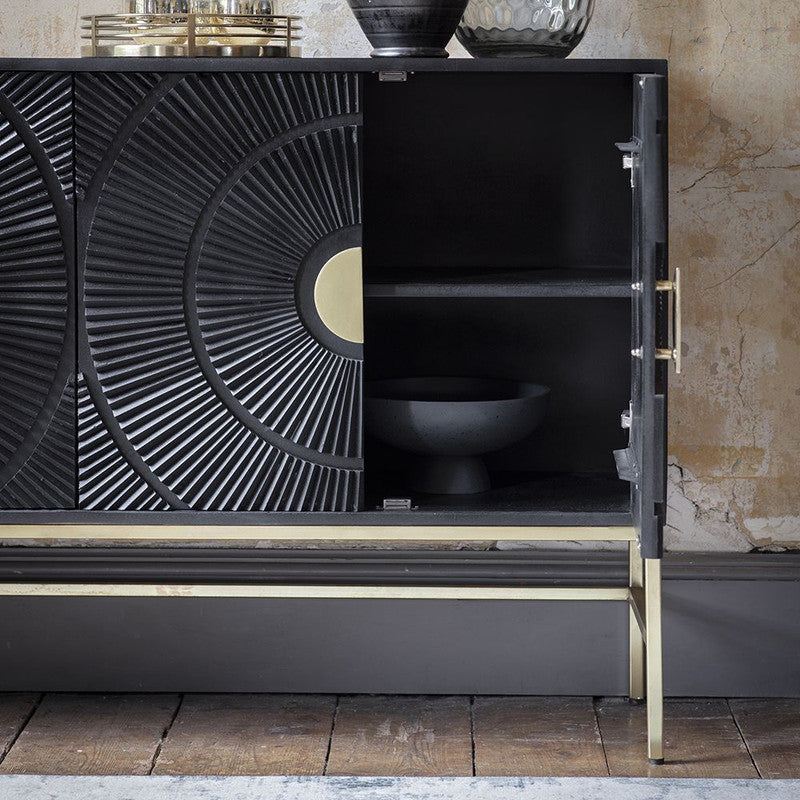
x: 316, y: 533
x: 642, y: 593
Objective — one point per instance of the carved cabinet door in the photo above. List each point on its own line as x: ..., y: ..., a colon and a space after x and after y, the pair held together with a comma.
x: 37, y: 292
x: 219, y: 294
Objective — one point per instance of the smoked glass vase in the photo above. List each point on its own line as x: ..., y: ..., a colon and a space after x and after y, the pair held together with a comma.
x: 524, y: 28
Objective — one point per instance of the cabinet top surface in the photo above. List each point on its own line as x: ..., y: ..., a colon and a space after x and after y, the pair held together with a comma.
x: 184, y: 64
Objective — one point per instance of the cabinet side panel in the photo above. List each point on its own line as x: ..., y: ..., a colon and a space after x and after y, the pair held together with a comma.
x: 37, y: 321
x: 208, y: 208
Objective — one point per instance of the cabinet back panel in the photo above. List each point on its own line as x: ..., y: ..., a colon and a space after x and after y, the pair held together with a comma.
x: 496, y: 171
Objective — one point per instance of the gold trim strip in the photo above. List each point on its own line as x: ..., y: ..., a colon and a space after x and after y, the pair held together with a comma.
x: 313, y: 592
x: 637, y: 603
x: 636, y: 624
x: 636, y: 635
x: 332, y: 533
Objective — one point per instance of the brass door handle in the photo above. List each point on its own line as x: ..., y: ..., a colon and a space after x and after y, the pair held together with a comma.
x: 673, y: 353
x: 677, y: 322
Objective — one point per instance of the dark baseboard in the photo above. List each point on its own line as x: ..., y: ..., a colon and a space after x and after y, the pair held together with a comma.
x: 730, y: 625
x: 231, y: 565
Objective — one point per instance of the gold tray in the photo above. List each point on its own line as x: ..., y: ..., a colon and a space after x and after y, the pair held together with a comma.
x: 191, y: 34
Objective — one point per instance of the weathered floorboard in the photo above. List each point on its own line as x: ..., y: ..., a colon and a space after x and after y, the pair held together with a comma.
x: 771, y: 729
x: 401, y: 736
x: 537, y: 736
x: 248, y: 734
x: 15, y: 708
x: 700, y: 740
x: 92, y: 734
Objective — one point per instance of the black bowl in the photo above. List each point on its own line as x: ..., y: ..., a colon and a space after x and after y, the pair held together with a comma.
x: 408, y: 27
x: 451, y: 422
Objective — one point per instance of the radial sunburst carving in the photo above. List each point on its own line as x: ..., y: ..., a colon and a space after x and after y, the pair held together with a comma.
x: 203, y: 215
x: 37, y: 421
x: 104, y: 104
x: 47, y: 479
x: 104, y: 473
x: 256, y: 243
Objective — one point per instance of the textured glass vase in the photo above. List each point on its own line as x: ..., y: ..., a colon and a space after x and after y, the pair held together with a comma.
x: 524, y: 28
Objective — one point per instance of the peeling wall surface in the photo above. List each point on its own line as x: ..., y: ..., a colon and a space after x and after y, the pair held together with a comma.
x: 735, y: 231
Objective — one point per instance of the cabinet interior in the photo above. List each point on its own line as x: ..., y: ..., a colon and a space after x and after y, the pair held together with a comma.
x: 497, y: 243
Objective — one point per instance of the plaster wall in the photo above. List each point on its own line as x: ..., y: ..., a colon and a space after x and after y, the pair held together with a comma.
x: 735, y: 232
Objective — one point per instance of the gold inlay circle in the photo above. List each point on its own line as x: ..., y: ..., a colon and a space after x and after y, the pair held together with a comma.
x: 339, y: 297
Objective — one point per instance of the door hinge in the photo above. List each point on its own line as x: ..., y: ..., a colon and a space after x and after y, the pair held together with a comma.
x: 397, y: 504
x: 631, y: 163
x: 392, y: 76
x: 630, y: 158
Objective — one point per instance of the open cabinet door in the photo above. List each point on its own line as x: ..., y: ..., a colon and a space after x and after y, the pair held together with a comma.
x: 643, y: 463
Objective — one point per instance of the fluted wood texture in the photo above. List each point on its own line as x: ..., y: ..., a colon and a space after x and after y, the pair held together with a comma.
x: 37, y: 343
x: 206, y: 203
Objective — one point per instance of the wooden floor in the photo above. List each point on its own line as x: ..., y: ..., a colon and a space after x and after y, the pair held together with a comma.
x: 170, y: 734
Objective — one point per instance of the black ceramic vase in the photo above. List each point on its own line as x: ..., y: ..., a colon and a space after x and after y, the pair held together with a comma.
x: 419, y: 28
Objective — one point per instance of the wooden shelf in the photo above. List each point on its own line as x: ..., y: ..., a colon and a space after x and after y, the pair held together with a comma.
x: 538, y: 499
x: 479, y: 284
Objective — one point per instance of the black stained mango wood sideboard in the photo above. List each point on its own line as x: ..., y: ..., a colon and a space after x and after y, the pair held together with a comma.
x: 202, y: 260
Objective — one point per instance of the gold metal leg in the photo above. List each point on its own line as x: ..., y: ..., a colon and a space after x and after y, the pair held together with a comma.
x: 636, y: 686
x: 655, y: 677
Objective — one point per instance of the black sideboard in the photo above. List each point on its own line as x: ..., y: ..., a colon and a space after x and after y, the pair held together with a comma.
x: 203, y: 260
